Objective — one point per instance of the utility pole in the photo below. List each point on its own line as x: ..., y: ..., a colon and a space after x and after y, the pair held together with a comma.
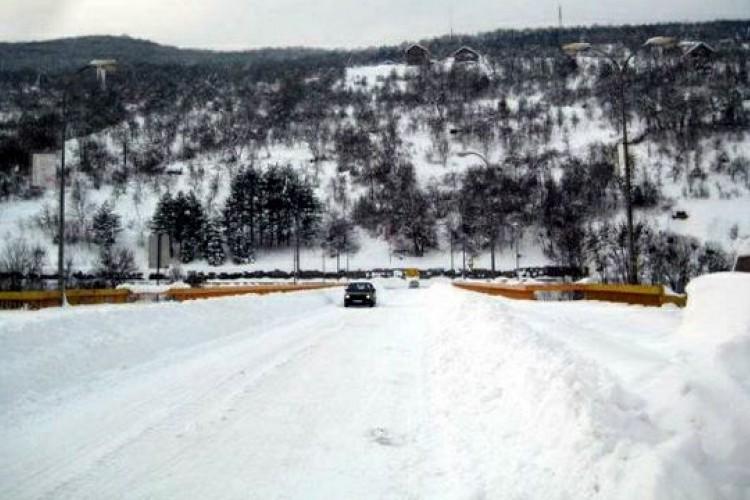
x: 463, y: 253
x: 61, y: 223
x: 101, y: 66
x: 633, y: 267
x: 450, y: 16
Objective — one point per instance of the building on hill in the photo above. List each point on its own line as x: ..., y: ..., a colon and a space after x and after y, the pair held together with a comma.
x: 466, y: 55
x: 44, y: 165
x: 417, y: 55
x: 699, y: 52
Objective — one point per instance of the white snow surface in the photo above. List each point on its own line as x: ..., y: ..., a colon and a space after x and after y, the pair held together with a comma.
x: 435, y: 393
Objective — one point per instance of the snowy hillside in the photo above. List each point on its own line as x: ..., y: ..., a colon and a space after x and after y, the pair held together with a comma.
x: 381, y: 148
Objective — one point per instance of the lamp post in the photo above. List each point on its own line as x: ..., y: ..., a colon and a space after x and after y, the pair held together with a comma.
x: 621, y: 67
x: 488, y: 165
x: 101, y: 66
x: 465, y: 154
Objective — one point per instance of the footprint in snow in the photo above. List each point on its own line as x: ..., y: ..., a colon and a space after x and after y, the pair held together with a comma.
x: 383, y: 437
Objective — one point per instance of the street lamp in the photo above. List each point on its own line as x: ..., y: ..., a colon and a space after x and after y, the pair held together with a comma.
x: 465, y: 154
x: 101, y: 66
x: 621, y: 67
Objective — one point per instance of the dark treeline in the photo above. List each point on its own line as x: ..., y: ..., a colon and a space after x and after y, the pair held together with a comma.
x: 265, y: 209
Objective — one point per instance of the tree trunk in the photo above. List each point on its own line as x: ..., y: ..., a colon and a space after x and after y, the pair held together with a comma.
x: 492, y: 256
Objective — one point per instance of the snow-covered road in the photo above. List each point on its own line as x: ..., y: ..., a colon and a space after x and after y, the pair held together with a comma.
x: 436, y: 393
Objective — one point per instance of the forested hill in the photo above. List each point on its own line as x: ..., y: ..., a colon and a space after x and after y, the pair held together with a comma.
x: 240, y: 155
x: 66, y: 53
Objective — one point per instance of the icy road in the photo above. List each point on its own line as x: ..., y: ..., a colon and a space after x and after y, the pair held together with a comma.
x: 436, y: 393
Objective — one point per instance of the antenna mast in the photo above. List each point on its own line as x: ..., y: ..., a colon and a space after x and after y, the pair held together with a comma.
x: 450, y: 19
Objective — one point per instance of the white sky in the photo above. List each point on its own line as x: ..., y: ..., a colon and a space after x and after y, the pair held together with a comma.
x: 237, y: 24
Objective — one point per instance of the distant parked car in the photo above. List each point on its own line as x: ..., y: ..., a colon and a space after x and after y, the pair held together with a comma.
x: 742, y: 264
x: 680, y: 215
x: 414, y: 284
x: 360, y: 292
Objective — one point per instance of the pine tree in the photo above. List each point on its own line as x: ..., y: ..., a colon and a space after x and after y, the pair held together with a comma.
x: 191, y: 222
x: 163, y: 220
x: 242, y: 218
x: 215, y: 254
x: 106, y: 226
x: 183, y: 219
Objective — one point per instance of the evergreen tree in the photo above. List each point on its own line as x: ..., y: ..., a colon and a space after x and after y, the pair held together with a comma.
x: 106, y: 226
x: 191, y: 222
x: 163, y: 220
x: 215, y: 254
x: 242, y: 215
x: 181, y: 217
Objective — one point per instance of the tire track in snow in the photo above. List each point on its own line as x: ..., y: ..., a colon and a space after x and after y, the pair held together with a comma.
x: 157, y: 395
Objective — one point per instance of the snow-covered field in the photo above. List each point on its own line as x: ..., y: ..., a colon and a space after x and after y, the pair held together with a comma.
x: 436, y: 393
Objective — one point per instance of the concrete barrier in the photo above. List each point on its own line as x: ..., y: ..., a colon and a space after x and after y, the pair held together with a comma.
x: 644, y: 295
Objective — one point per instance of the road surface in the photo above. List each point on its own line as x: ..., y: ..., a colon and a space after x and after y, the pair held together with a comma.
x: 435, y: 393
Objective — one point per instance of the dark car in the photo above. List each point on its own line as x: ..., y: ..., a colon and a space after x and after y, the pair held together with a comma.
x: 360, y: 292
x: 742, y: 264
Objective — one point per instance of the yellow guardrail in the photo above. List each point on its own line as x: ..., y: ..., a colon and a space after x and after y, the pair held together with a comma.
x: 644, y: 295
x: 41, y: 299
x: 181, y: 294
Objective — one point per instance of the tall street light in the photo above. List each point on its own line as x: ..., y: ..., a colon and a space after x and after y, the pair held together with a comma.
x: 464, y: 154
x: 101, y: 66
x: 621, y: 67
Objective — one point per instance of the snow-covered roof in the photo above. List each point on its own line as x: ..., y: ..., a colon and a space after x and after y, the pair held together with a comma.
x: 690, y: 47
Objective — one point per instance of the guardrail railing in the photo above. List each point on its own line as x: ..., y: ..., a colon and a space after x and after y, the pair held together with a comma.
x: 182, y: 294
x: 644, y: 295
x: 42, y: 299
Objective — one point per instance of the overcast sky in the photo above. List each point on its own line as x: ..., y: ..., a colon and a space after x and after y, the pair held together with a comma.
x: 237, y: 24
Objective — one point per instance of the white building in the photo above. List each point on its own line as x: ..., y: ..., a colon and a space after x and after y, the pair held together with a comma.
x: 44, y: 169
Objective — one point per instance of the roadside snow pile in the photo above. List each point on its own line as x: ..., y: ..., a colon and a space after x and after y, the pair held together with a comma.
x: 554, y: 423
x: 590, y: 400
x: 717, y: 319
x: 152, y: 288
x: 718, y: 310
x: 705, y: 396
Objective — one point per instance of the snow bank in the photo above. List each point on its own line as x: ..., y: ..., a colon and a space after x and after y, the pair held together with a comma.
x: 599, y: 400
x: 151, y: 288
x: 705, y: 394
x: 717, y: 320
x: 718, y: 310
